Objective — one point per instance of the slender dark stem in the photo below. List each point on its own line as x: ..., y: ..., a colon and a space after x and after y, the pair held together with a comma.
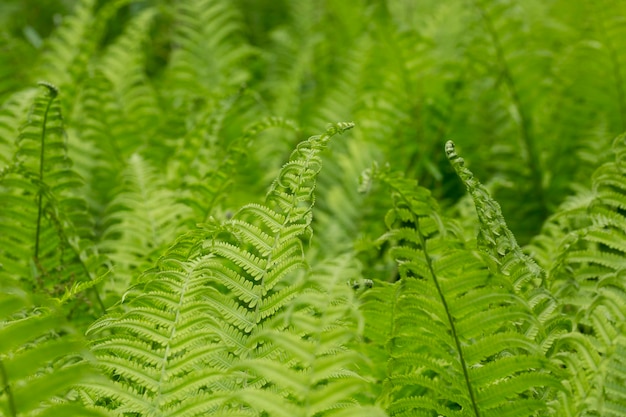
x: 444, y: 302
x: 450, y: 318
x: 41, y: 169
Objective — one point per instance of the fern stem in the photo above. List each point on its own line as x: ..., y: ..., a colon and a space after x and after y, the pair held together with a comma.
x: 7, y: 389
x: 277, y: 237
x: 442, y: 297
x: 41, y: 170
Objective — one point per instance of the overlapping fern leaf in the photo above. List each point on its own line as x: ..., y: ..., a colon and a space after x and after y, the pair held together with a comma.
x: 196, y: 335
x: 208, y: 48
x: 140, y: 222
x: 528, y: 278
x: 11, y: 119
x: 588, y: 276
x: 156, y: 346
x: 67, y: 51
x: 309, y: 364
x: 450, y: 328
x: 42, y: 358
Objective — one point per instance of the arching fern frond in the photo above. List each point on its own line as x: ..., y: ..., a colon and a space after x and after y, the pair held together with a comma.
x: 527, y: 278
x: 46, y: 229
x: 455, y: 343
x: 264, y: 245
x: 173, y: 343
x: 494, y: 236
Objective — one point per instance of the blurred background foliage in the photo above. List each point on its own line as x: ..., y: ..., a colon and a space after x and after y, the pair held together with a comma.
x: 163, y: 92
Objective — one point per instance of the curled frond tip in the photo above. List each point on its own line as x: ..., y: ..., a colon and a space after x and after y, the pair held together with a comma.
x: 53, y: 89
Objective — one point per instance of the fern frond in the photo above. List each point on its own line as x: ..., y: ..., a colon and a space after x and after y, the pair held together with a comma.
x: 588, y: 277
x: 46, y: 239
x: 455, y: 343
x: 178, y: 335
x: 269, y: 252
x: 134, y: 98
x: 527, y: 277
x: 494, y: 236
x: 158, y: 343
x: 145, y: 216
x: 67, y: 50
x: 209, y: 47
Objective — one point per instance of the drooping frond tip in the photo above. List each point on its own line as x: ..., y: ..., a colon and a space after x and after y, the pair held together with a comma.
x: 494, y: 235
x: 457, y: 162
x: 331, y: 130
x: 339, y: 128
x: 53, y: 89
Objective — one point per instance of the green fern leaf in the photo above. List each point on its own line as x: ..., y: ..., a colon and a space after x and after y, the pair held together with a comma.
x: 41, y: 360
x: 66, y: 52
x: 209, y: 47
x: 161, y: 340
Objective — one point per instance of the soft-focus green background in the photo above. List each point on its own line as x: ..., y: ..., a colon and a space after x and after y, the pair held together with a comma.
x: 531, y: 91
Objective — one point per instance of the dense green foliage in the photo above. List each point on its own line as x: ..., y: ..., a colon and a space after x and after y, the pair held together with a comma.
x: 172, y: 244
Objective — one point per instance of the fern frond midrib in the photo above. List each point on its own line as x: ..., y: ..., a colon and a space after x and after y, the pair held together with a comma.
x: 41, y: 171
x: 166, y: 352
x: 444, y: 302
x: 260, y: 289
